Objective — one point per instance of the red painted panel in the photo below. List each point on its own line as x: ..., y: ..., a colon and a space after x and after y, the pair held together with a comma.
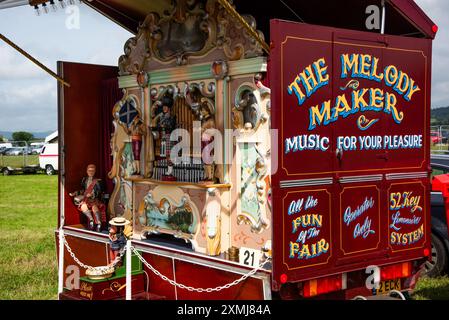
x: 413, y: 58
x: 89, y: 252
x: 351, y: 109
x: 408, y: 221
x: 157, y: 285
x: 361, y: 131
x: 307, y: 232
x: 198, y: 276
x: 293, y: 119
x: 361, y: 222
x: 206, y: 277
x: 80, y: 119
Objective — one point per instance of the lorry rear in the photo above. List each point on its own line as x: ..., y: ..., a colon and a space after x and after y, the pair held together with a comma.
x: 351, y: 190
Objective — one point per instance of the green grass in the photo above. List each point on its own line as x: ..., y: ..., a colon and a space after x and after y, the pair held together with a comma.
x: 18, y: 161
x: 28, y: 218
x: 432, y: 289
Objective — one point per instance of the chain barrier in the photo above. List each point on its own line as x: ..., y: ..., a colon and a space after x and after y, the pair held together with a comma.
x: 199, y: 290
x: 90, y: 268
x: 160, y: 275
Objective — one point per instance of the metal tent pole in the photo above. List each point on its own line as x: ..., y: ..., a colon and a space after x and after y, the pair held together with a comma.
x: 61, y: 262
x: 32, y: 59
x: 128, y: 271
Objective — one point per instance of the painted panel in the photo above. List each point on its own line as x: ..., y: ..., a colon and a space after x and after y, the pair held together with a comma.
x: 352, y: 110
x: 360, y: 101
x: 80, y: 124
x: 251, y: 208
x: 407, y: 216
x: 189, y: 213
x: 83, y: 250
x: 360, y: 215
x: 156, y: 285
x: 306, y: 229
x: 251, y: 289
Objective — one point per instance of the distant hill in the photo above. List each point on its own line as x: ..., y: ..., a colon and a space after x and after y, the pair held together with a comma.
x: 37, y: 135
x: 440, y: 116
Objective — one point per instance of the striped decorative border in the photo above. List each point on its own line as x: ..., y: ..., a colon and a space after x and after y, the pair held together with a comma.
x: 408, y: 175
x: 356, y: 179
x: 306, y: 182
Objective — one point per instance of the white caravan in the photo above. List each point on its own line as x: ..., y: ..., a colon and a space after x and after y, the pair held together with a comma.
x: 49, y: 157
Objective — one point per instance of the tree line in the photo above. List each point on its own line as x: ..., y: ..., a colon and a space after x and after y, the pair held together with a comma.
x: 22, y: 136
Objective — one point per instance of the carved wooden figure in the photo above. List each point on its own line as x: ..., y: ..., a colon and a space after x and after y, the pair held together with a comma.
x: 88, y: 199
x: 207, y: 137
x: 212, y: 216
x: 137, y: 130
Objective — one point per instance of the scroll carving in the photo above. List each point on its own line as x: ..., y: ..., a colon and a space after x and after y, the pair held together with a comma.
x: 190, y: 29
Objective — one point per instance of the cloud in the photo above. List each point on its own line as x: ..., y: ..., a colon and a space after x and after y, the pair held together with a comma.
x: 33, y: 94
x: 30, y: 107
x: 437, y: 10
x: 15, y: 66
x: 27, y: 94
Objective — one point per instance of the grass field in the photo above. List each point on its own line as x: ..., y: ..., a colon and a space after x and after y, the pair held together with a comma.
x: 432, y: 289
x: 28, y: 217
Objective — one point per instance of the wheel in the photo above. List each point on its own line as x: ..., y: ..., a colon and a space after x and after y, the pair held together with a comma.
x: 6, y: 172
x: 437, y: 266
x: 49, y: 170
x: 397, y: 294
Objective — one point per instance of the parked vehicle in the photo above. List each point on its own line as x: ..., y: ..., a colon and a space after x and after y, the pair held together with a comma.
x: 9, y: 163
x: 438, y: 266
x: 36, y: 149
x: 445, y: 136
x: 436, y: 137
x: 37, y: 144
x: 5, y: 145
x: 48, y: 158
x: 16, y: 151
x: 6, y: 171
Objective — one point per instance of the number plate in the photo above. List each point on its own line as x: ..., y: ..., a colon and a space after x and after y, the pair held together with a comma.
x: 249, y: 257
x: 387, y: 286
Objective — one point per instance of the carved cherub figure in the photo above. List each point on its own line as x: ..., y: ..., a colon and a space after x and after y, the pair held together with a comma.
x: 137, y: 129
x: 207, y: 126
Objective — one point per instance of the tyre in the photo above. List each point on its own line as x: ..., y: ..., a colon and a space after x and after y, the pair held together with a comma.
x: 6, y: 172
x: 437, y: 266
x: 49, y: 170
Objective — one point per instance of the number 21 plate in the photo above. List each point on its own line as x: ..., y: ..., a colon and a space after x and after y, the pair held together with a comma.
x: 387, y: 286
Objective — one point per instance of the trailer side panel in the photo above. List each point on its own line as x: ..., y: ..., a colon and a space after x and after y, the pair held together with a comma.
x: 352, y: 110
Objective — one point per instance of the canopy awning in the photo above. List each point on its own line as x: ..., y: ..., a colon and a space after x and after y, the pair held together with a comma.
x: 403, y: 17
x: 5, y: 4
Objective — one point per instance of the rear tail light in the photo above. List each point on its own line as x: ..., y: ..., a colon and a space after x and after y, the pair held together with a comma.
x: 284, y: 278
x: 319, y: 286
x: 396, y: 271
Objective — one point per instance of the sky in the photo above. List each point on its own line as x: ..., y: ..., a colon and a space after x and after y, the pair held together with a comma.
x: 438, y: 11
x: 28, y: 98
